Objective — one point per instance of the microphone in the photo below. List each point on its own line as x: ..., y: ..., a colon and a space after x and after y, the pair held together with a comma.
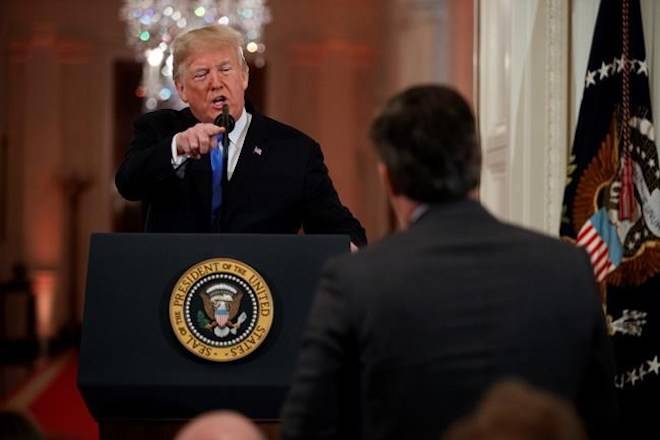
x: 225, y: 120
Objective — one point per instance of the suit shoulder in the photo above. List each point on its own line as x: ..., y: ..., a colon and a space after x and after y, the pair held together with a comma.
x: 559, y: 260
x: 535, y: 250
x: 546, y: 242
x: 285, y: 132
x: 370, y: 260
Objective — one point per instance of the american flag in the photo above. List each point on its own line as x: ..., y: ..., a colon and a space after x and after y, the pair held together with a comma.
x: 599, y: 238
x: 612, y: 205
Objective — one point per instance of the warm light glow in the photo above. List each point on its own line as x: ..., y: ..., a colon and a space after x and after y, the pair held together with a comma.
x: 252, y: 47
x: 167, y: 68
x: 200, y: 11
x: 44, y: 282
x: 155, y: 57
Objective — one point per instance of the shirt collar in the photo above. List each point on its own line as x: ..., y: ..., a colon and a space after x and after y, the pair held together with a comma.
x: 418, y: 212
x: 235, y: 134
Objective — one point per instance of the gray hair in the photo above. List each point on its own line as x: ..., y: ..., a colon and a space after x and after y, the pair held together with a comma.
x: 208, y: 36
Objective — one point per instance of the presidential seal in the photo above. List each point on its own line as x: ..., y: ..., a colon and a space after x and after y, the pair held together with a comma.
x: 221, y: 309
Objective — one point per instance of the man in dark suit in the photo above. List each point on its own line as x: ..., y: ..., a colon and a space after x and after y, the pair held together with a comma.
x: 273, y: 179
x: 404, y: 336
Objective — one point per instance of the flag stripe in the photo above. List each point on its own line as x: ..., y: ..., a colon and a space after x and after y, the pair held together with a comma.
x: 595, y: 244
x: 598, y: 259
x: 586, y: 231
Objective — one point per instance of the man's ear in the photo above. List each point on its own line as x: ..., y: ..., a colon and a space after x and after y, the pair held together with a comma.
x: 181, y: 90
x: 246, y: 77
x: 401, y: 206
x: 386, y: 178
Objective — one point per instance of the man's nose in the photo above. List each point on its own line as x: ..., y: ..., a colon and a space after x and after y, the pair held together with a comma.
x: 216, y: 79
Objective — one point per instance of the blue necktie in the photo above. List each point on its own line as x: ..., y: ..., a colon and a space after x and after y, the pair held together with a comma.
x: 217, y: 165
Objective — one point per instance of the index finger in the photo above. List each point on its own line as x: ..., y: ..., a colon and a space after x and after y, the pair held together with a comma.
x: 212, y: 129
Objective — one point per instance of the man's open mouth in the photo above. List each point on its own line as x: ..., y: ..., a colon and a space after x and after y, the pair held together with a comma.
x: 219, y: 101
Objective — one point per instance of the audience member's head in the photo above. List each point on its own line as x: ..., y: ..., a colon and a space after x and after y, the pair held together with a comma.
x: 512, y: 410
x: 17, y: 426
x: 220, y: 425
x: 427, y: 140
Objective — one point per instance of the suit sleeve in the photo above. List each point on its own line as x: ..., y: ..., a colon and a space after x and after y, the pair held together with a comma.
x: 596, y: 400
x: 323, y: 211
x: 147, y: 162
x: 323, y: 400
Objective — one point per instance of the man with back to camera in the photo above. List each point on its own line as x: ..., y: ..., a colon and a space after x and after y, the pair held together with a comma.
x: 273, y: 180
x: 405, y: 336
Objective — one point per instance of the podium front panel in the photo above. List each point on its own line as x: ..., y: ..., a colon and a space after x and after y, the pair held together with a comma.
x: 131, y: 364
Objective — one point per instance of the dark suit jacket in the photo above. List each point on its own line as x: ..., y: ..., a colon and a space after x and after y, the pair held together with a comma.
x: 284, y: 187
x: 406, y: 335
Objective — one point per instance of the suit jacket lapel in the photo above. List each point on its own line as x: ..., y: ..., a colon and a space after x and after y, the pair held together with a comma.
x: 254, y: 149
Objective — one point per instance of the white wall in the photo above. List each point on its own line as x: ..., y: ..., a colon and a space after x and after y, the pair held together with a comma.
x: 523, y: 108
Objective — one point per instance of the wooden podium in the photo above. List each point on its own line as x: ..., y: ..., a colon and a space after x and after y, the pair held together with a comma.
x: 139, y: 379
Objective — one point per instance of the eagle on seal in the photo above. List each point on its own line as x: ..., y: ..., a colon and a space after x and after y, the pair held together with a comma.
x: 221, y: 304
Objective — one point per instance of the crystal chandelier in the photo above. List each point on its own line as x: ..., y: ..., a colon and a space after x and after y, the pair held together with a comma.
x: 152, y: 25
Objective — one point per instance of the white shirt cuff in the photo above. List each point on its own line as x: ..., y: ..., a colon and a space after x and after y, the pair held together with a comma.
x: 177, y: 160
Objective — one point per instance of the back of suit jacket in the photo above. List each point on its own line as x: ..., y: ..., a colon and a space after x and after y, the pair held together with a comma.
x: 405, y: 336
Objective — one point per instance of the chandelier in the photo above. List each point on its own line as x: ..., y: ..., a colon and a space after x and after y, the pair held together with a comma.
x: 152, y: 25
